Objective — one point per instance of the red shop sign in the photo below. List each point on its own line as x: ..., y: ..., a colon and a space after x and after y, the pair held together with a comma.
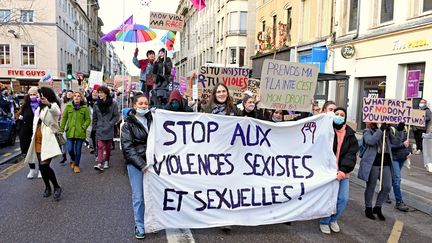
x: 33, y: 73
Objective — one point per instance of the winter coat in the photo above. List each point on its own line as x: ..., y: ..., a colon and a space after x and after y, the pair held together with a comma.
x: 141, y: 64
x: 103, y: 123
x: 134, y: 140
x: 399, y: 151
x: 25, y: 127
x: 75, y: 122
x: 50, y: 147
x: 372, y: 141
x: 348, y: 151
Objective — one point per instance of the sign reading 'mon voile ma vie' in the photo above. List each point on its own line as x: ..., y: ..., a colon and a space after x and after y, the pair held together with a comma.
x: 287, y: 85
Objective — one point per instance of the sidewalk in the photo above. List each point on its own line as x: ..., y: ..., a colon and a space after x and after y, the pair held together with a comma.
x: 416, y: 184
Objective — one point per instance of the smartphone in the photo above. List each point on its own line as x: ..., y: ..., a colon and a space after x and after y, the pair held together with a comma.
x: 40, y: 94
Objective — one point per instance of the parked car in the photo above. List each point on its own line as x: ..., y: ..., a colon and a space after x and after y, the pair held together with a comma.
x: 7, y: 129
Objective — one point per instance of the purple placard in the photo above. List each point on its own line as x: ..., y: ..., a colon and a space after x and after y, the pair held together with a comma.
x: 413, y: 80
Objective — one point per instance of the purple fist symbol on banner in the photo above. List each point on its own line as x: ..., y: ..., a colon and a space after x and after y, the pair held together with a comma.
x: 309, y: 128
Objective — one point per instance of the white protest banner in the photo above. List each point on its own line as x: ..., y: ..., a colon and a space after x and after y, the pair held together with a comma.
x: 287, y: 85
x: 391, y: 111
x: 95, y: 77
x: 236, y: 79
x: 209, y: 170
x: 166, y: 21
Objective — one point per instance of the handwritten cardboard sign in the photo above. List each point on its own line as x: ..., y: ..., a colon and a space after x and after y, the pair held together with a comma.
x: 287, y: 85
x: 235, y: 78
x: 166, y: 21
x: 254, y: 86
x: 392, y: 111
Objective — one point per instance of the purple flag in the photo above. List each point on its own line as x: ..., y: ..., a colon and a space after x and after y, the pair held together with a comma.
x: 111, y: 36
x: 198, y: 4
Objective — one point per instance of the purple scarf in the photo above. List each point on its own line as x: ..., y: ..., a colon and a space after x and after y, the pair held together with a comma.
x: 34, y: 105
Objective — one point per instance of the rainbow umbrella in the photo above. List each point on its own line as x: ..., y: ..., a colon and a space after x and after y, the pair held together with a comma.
x: 135, y: 33
x: 169, y: 39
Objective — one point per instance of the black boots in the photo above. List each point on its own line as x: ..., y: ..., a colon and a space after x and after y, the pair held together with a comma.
x: 63, y: 160
x: 369, y: 213
x: 377, y: 211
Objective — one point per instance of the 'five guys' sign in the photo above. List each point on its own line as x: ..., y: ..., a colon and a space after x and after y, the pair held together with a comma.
x: 392, y: 111
x: 209, y: 170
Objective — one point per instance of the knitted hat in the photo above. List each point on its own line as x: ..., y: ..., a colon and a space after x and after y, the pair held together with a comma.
x: 33, y: 90
x: 175, y: 95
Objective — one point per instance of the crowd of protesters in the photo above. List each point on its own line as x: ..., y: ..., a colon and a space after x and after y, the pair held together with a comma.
x: 92, y: 118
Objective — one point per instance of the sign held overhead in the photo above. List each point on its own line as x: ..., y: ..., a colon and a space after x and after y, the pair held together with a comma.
x: 166, y: 21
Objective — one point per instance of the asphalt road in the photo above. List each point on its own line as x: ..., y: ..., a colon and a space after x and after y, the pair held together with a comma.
x: 96, y: 207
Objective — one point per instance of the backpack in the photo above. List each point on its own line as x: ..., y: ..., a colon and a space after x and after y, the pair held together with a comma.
x: 362, y: 147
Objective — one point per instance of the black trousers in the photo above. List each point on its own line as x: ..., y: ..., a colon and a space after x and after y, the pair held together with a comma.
x: 418, y: 138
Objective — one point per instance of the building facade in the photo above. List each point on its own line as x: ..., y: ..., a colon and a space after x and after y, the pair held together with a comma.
x: 380, y: 44
x: 218, y: 34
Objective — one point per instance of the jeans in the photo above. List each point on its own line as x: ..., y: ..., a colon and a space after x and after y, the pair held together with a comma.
x: 136, y: 182
x: 342, y: 201
x: 104, y: 150
x: 74, y: 146
x: 397, y: 168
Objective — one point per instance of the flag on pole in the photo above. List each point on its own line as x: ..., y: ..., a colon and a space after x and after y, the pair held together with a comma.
x: 198, y: 4
x: 111, y: 36
x: 169, y: 39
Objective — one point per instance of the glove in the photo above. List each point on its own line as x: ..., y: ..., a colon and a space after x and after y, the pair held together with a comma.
x: 383, y: 126
x: 136, y: 51
x: 400, y: 126
x: 340, y: 175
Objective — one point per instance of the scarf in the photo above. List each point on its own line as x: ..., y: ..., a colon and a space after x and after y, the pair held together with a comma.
x: 34, y: 106
x: 218, y: 109
x: 104, y: 104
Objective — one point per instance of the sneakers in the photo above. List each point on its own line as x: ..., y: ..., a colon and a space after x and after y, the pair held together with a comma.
x: 32, y: 174
x: 402, y: 207
x: 98, y: 167
x: 138, y: 234
x: 429, y: 167
x: 106, y: 165
x: 418, y: 152
x: 47, y: 192
x: 325, y: 229
x: 334, y: 227
x: 39, y: 175
x: 72, y: 165
x: 57, y: 193
x: 76, y: 169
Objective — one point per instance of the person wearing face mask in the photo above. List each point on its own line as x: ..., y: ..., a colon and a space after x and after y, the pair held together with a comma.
x: 75, y: 120
x: 221, y: 102
x: 277, y: 116
x: 370, y: 166
x: 418, y: 131
x: 177, y: 103
x: 25, y: 119
x: 91, y: 100
x: 133, y: 141
x: 249, y: 107
x: 345, y: 147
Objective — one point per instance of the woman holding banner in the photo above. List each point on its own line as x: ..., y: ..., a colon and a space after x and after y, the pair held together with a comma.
x: 370, y: 166
x: 221, y: 102
x: 133, y: 139
x: 345, y: 147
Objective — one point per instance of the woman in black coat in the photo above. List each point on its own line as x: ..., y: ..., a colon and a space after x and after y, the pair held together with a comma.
x: 25, y: 124
x: 345, y: 147
x: 134, y: 145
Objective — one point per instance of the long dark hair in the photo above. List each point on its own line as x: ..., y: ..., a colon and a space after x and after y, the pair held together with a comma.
x: 49, y: 94
x: 27, y: 101
x: 229, y: 103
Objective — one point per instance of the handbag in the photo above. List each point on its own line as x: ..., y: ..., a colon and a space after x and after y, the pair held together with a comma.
x: 58, y: 135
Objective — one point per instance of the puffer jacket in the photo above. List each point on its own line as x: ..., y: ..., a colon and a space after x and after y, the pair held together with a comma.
x: 134, y: 140
x: 348, y: 152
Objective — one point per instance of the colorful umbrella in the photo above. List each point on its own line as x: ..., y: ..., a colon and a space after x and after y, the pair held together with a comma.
x: 169, y: 39
x: 135, y: 33
x: 111, y: 36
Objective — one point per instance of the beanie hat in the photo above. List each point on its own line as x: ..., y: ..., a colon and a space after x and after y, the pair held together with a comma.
x: 341, y: 109
x: 96, y: 87
x: 33, y: 90
x: 175, y: 95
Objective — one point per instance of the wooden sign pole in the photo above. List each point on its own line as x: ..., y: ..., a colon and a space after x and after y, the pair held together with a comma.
x: 382, y: 159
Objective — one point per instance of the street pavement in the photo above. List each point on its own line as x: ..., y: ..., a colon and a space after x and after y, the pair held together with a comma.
x: 8, y: 153
x: 96, y: 207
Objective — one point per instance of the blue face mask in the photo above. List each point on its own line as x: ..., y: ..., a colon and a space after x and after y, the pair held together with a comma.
x: 338, y: 120
x: 175, y: 105
x: 141, y: 112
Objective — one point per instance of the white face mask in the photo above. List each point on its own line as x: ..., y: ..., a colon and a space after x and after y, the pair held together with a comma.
x: 250, y: 107
x: 141, y: 112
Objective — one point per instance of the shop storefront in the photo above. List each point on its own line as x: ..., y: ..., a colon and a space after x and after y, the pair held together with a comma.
x: 397, y: 66
x: 21, y: 79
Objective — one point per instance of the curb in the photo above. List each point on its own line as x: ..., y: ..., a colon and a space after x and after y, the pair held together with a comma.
x: 411, y: 199
x: 12, y: 158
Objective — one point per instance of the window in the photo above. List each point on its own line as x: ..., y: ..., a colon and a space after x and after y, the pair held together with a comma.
x: 243, y: 22
x: 241, y: 57
x: 217, y: 31
x: 28, y: 55
x: 386, y: 10
x: 4, y: 54
x: 27, y: 16
x: 233, y: 56
x: 274, y: 28
x: 353, y: 7
x: 5, y: 15
x: 289, y: 23
x: 427, y: 5
x: 234, y: 22
x: 263, y: 26
x: 222, y: 59
x: 222, y: 27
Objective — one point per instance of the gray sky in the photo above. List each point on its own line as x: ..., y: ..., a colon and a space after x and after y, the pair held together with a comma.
x: 114, y: 12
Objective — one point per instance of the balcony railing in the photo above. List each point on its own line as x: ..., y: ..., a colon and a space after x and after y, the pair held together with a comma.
x: 236, y: 32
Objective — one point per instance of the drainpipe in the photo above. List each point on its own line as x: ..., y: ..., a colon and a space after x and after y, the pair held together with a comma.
x: 358, y: 20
